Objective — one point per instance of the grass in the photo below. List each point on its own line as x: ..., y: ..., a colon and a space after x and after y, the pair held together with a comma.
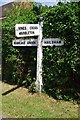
x: 21, y: 104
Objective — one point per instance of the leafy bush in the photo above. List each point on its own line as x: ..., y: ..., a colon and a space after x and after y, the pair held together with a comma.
x: 18, y: 63
x: 61, y: 64
x: 32, y: 87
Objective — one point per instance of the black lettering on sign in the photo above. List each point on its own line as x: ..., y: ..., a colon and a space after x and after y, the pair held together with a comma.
x: 31, y: 42
x: 47, y: 42
x: 26, y: 33
x: 22, y: 28
x: 30, y: 32
x: 52, y: 42
x: 16, y: 42
x: 33, y: 28
x: 59, y: 41
x: 19, y: 42
x: 22, y: 42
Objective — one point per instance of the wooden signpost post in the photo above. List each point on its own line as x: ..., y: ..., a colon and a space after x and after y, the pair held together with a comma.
x: 24, y: 30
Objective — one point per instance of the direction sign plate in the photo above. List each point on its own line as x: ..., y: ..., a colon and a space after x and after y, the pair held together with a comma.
x: 19, y: 42
x: 33, y: 42
x: 24, y: 30
x: 52, y: 42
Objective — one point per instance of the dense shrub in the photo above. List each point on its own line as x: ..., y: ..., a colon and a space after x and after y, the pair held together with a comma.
x: 61, y: 70
x: 18, y: 62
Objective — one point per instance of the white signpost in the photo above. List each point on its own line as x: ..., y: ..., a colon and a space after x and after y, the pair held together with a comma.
x: 23, y: 30
x: 39, y: 60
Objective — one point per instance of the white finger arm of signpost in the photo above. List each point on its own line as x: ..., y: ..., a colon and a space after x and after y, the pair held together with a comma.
x: 39, y: 61
x: 24, y: 30
x: 19, y: 42
x: 52, y: 42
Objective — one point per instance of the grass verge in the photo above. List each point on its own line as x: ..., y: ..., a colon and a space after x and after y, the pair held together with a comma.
x: 21, y: 104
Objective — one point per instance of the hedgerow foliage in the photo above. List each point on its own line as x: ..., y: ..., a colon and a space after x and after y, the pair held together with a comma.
x: 61, y: 65
x: 18, y: 62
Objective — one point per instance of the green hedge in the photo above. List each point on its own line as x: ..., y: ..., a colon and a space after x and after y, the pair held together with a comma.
x: 61, y: 65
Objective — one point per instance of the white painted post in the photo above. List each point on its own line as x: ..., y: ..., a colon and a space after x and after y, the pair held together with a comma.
x: 39, y: 60
x: 34, y: 42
